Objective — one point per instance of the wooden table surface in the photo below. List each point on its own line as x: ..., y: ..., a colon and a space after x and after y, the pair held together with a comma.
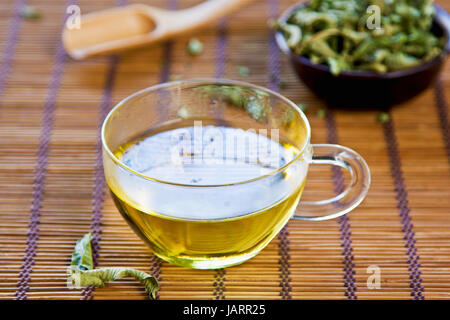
x: 52, y: 189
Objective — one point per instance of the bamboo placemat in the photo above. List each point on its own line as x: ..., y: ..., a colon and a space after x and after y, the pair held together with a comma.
x: 52, y: 189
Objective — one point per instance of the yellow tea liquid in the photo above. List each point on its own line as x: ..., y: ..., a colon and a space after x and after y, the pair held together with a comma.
x: 189, y: 220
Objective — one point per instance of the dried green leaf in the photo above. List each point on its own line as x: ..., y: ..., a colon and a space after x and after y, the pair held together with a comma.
x: 254, y: 101
x: 98, y: 277
x: 255, y: 108
x: 283, y: 85
x: 30, y: 12
x: 83, y: 273
x: 321, y: 113
x: 175, y: 77
x: 82, y: 254
x: 287, y: 117
x: 194, y: 47
x: 383, y: 117
x: 183, y: 113
x: 344, y: 36
x: 292, y: 33
x: 302, y: 107
x: 243, y: 71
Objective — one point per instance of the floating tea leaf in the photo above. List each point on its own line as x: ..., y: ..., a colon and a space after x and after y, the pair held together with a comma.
x: 254, y: 101
x: 302, y: 107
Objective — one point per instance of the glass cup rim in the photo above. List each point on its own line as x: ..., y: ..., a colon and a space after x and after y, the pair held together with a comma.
x: 205, y: 81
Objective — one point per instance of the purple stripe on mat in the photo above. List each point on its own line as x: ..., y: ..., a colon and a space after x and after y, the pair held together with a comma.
x: 344, y: 223
x: 98, y: 193
x: 442, y: 108
x: 274, y: 66
x: 156, y: 263
x: 168, y: 48
x: 99, y: 178
x: 403, y: 206
x: 274, y: 53
x: 219, y: 284
x: 221, y: 49
x: 284, y: 268
x: 10, y: 46
x: 221, y: 52
x: 41, y: 172
x: 155, y: 270
x: 164, y: 76
x: 166, y: 63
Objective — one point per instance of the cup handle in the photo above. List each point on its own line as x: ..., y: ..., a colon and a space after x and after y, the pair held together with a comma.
x: 347, y: 198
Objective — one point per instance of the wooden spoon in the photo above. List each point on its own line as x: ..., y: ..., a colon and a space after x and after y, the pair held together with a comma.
x: 137, y: 25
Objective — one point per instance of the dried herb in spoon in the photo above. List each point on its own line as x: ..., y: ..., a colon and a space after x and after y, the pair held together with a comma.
x: 83, y: 273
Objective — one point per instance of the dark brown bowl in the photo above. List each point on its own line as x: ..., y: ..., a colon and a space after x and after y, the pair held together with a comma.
x: 368, y: 89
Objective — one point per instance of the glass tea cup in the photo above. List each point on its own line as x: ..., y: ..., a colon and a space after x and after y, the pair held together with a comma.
x: 208, y: 171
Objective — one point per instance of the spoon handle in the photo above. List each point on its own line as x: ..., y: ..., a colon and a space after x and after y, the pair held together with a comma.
x: 204, y: 13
